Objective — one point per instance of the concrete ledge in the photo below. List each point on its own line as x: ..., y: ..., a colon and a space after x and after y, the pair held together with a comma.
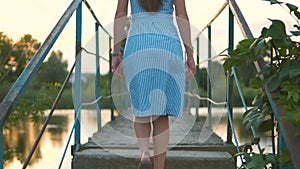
x: 128, y: 159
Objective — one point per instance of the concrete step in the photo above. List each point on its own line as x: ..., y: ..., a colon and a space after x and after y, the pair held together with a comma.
x: 128, y: 159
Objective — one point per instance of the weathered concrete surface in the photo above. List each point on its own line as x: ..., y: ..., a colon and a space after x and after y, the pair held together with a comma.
x: 191, y: 146
x: 103, y: 159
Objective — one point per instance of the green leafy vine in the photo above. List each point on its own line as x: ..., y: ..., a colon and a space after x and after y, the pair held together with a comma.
x: 278, y: 53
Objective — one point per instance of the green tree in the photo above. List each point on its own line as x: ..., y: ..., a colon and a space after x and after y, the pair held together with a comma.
x: 40, y: 94
x: 23, y: 51
x: 6, y: 60
x: 54, y: 69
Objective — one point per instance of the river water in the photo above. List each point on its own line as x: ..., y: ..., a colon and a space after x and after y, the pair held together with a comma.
x: 18, y: 140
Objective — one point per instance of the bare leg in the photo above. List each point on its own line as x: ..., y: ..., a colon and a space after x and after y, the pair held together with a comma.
x: 142, y: 128
x: 160, y: 140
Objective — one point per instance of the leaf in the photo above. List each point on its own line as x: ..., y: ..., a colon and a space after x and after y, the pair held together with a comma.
x: 285, y: 156
x: 260, y: 47
x: 270, y: 158
x: 295, y: 72
x: 297, y: 14
x: 267, y: 80
x: 291, y: 7
x: 296, y: 33
x: 290, y: 70
x: 264, y: 32
x: 277, y: 30
x: 298, y: 132
x: 255, y: 83
x: 265, y: 126
x: 251, y: 164
x: 257, y: 161
x: 273, y: 2
x: 246, y: 43
x: 266, y: 71
x: 295, y: 97
x: 275, y: 83
x: 230, y: 62
x: 290, y: 94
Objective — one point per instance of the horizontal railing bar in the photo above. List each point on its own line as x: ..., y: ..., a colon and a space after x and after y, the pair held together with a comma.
x: 31, y: 69
x: 95, y: 17
x: 94, y: 54
x: 213, y: 19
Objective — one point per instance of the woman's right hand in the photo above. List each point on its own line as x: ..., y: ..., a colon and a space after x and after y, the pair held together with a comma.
x: 116, y: 66
x: 191, y: 67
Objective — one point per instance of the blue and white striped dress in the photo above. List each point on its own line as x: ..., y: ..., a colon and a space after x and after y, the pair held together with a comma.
x: 153, y: 62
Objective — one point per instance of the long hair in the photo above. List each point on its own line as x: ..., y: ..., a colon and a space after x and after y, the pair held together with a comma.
x: 151, y: 5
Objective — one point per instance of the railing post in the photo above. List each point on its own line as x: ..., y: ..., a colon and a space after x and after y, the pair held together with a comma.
x: 77, y: 84
x: 198, y: 73
x: 230, y: 77
x: 110, y: 78
x: 209, y: 94
x: 97, y: 78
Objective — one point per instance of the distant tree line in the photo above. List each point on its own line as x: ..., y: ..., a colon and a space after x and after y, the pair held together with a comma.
x: 14, y: 56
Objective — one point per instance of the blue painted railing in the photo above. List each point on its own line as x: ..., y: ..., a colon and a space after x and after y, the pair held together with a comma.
x: 10, y: 101
x: 286, y: 131
x: 234, y: 12
x: 229, y: 104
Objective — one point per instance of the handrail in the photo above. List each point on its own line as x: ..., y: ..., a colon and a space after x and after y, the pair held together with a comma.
x: 213, y: 19
x: 286, y: 129
x: 230, y: 127
x: 248, y: 34
x: 31, y: 69
x: 96, y: 19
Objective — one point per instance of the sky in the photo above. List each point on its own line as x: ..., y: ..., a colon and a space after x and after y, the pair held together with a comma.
x: 38, y: 18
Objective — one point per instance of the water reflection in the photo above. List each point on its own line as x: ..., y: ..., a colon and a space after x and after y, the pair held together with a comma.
x: 18, y: 140
x: 57, y: 129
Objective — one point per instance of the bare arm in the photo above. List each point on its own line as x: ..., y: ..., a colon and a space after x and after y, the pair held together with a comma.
x: 119, y: 34
x: 185, y: 33
x: 119, y: 24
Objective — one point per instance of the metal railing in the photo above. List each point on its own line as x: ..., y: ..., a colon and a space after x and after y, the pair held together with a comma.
x: 230, y: 75
x: 234, y: 12
x: 11, y: 99
x: 286, y: 137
